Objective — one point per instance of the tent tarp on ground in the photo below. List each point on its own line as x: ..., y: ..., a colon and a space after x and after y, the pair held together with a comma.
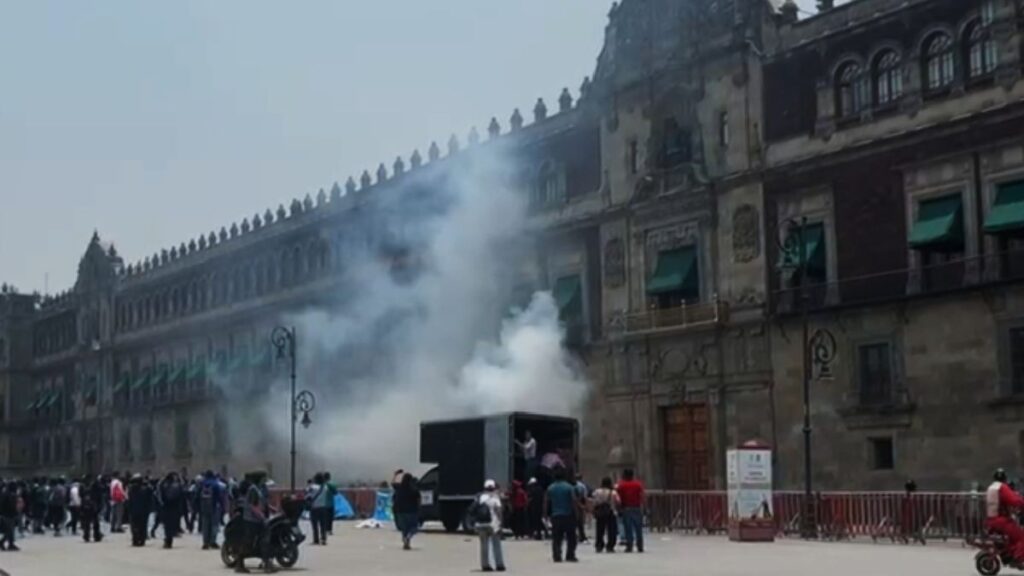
x: 342, y: 509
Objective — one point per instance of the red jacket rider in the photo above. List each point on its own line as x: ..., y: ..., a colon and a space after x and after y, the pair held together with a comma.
x: 1000, y: 502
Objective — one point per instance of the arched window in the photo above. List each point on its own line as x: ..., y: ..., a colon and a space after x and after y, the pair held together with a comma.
x: 850, y: 97
x: 980, y: 49
x: 888, y: 77
x: 938, y: 61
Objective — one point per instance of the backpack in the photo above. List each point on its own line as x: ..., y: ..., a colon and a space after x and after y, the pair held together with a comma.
x: 480, y: 512
x: 57, y: 497
x: 206, y: 497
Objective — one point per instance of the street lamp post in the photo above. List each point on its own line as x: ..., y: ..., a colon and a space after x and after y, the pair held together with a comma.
x: 817, y: 349
x: 793, y: 244
x: 283, y: 340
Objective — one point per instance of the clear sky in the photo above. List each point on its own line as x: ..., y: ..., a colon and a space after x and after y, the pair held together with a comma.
x: 153, y: 122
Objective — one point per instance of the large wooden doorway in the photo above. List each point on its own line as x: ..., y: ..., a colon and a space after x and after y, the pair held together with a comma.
x: 687, y: 452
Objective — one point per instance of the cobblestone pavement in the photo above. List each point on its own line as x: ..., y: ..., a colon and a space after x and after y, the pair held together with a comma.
x: 368, y: 552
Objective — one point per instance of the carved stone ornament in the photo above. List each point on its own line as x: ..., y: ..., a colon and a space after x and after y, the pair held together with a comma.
x: 614, y: 263
x: 746, y: 234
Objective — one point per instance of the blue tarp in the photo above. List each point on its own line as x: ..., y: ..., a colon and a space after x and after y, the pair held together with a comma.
x: 342, y: 509
x: 382, y: 509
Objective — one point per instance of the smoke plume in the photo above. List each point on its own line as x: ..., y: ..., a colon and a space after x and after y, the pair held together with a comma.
x: 439, y: 343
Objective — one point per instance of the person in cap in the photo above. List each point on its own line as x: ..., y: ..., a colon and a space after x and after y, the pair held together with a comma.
x: 487, y: 510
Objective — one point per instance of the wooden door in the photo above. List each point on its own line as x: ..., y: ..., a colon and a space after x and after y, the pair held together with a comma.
x: 687, y: 451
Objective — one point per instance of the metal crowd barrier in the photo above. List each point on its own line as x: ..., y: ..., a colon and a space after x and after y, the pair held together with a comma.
x: 892, y: 516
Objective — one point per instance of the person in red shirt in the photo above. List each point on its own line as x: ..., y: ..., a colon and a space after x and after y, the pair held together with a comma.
x: 631, y: 495
x: 1001, y: 502
x: 517, y: 496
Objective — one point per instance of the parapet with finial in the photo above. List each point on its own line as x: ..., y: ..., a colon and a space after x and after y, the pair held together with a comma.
x: 382, y: 174
x: 474, y: 137
x: 434, y: 152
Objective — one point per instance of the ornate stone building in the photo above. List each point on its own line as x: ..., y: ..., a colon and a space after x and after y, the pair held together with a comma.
x: 711, y: 131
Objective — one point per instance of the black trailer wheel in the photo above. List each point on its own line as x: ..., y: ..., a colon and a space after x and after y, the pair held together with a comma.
x: 452, y: 515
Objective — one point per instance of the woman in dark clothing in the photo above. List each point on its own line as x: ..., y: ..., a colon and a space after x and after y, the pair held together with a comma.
x: 407, y: 507
x: 140, y: 506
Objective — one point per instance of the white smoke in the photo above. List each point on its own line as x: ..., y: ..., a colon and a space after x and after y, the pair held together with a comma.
x: 442, y: 346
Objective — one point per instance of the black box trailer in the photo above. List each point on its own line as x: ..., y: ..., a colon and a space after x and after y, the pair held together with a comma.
x: 471, y: 450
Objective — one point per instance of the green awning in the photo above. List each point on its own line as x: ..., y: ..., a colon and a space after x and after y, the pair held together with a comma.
x: 1007, y: 214
x: 159, y: 377
x: 262, y: 359
x: 676, y: 272
x: 54, y: 397
x: 33, y: 405
x: 813, y: 250
x: 567, y: 297
x: 238, y: 363
x: 141, y: 381
x: 122, y: 383
x: 197, y: 371
x: 939, y: 225
x: 176, y: 374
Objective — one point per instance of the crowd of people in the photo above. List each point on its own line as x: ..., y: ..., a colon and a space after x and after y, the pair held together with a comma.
x: 553, y: 507
x: 560, y: 511
x: 555, y: 510
x: 146, y: 504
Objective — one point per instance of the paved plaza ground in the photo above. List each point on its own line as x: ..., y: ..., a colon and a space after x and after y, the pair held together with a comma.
x: 370, y: 552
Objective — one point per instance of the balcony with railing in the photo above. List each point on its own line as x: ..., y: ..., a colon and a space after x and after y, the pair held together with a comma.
x: 683, y: 317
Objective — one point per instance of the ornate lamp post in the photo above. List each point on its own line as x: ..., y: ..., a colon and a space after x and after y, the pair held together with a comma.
x: 283, y: 340
x: 794, y: 254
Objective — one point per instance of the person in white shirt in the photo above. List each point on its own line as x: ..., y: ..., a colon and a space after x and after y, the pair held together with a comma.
x: 487, y: 513
x: 529, y: 449
x: 74, y: 506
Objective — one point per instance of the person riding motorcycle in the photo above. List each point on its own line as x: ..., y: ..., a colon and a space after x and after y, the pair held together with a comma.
x: 254, y: 513
x: 1001, y: 506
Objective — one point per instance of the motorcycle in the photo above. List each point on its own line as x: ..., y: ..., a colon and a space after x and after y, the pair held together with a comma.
x: 284, y: 537
x: 993, y: 554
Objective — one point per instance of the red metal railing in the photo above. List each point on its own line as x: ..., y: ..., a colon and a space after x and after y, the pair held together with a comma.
x: 895, y: 516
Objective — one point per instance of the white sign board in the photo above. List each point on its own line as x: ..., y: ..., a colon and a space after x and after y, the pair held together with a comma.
x: 749, y: 475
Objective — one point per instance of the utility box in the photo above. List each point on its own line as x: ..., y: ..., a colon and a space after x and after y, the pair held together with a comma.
x: 749, y: 469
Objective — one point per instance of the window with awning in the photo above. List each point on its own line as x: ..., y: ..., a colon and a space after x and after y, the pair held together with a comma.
x: 176, y: 375
x: 141, y: 382
x: 1007, y: 213
x: 53, y: 399
x: 261, y: 359
x: 813, y: 251
x: 123, y: 383
x: 238, y: 363
x: 939, y: 226
x: 197, y: 371
x: 567, y: 292
x: 676, y: 274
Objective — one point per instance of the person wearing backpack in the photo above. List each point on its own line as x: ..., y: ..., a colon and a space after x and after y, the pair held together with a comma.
x: 211, y: 497
x: 606, y: 506
x: 56, y: 504
x: 172, y: 497
x: 319, y: 496
x: 486, y: 513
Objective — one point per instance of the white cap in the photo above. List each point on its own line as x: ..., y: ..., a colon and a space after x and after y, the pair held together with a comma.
x: 532, y: 481
x: 490, y: 485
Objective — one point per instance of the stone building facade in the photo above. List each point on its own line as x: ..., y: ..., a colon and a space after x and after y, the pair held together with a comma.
x: 884, y: 137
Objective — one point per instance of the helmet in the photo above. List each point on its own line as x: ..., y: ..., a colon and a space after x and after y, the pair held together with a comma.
x: 1000, y: 475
